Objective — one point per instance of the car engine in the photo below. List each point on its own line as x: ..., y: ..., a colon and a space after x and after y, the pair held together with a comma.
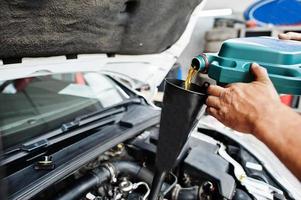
x: 208, y: 169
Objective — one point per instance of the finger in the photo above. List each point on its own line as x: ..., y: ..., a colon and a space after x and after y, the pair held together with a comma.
x: 230, y: 85
x: 260, y: 73
x: 215, y: 90
x: 213, y: 101
x: 290, y: 36
x: 212, y: 111
x: 284, y: 36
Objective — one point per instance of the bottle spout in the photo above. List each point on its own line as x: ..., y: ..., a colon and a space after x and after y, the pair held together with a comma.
x: 200, y: 63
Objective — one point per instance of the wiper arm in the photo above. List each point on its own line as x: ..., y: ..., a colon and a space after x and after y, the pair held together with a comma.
x: 70, y: 129
x: 88, y: 118
x: 85, y: 119
x: 97, y: 115
x: 66, y: 129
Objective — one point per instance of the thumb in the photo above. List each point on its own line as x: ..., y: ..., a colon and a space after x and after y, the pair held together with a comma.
x: 284, y: 36
x: 260, y: 73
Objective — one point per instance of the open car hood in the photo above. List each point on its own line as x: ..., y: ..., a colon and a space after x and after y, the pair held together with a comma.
x: 138, y: 39
x: 49, y: 28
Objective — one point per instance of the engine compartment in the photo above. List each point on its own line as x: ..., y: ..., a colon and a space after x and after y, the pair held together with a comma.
x: 202, y: 172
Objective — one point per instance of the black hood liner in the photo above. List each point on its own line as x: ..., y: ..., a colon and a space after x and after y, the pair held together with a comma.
x: 59, y: 27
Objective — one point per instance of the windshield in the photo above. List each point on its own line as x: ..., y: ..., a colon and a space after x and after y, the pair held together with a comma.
x: 35, y: 105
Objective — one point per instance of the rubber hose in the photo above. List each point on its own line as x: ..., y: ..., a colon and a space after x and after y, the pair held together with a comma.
x: 134, y: 170
x: 102, y: 174
x: 84, y: 184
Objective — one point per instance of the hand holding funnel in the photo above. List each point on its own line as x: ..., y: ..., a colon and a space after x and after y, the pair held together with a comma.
x: 180, y: 112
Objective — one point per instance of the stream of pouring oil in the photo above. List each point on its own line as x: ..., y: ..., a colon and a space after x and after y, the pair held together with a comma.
x: 191, y: 73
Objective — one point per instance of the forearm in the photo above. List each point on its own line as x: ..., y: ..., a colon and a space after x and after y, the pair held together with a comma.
x: 281, y: 132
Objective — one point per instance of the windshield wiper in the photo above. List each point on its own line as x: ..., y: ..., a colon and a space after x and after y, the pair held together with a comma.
x: 85, y: 119
x: 66, y: 129
x: 100, y: 115
x: 70, y: 129
x: 97, y: 115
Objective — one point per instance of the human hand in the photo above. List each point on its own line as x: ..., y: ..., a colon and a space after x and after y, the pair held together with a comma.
x: 290, y: 36
x: 241, y: 105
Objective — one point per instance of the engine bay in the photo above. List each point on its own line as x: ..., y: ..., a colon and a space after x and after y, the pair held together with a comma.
x: 208, y: 169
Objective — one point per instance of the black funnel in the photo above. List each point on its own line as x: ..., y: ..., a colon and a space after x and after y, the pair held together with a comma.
x: 180, y: 113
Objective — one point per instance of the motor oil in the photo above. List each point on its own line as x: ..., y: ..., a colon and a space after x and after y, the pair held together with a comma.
x: 191, y: 73
x: 193, y: 70
x: 281, y: 58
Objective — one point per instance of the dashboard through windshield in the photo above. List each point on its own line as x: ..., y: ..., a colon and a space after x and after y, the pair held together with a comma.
x: 32, y: 106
